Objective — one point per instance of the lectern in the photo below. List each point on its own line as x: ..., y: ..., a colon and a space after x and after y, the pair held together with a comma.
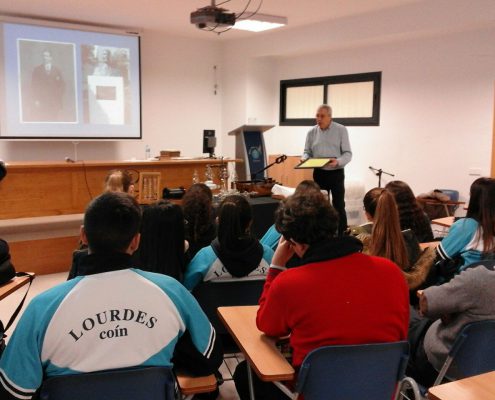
x: 250, y: 147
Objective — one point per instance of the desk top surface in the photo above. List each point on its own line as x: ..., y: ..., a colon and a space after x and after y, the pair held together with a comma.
x: 446, y: 221
x: 479, y: 387
x: 20, y: 165
x: 13, y: 285
x: 260, y: 350
x: 192, y: 385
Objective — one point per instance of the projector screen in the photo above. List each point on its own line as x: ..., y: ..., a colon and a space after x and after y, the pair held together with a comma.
x: 68, y: 84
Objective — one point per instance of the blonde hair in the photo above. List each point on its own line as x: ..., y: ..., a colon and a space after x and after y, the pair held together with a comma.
x: 119, y: 181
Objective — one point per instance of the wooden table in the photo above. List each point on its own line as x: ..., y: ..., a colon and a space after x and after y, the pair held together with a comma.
x: 193, y: 385
x: 260, y: 350
x: 479, y: 387
x: 425, y: 245
x: 13, y: 285
x: 44, y: 188
x: 445, y: 221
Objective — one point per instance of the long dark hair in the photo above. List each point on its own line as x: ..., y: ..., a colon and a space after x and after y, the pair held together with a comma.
x: 162, y: 239
x: 410, y: 213
x: 234, y: 220
x: 197, y: 206
x: 386, y: 237
x: 482, y: 208
x: 370, y: 200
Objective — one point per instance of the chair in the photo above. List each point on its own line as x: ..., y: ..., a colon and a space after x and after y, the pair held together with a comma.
x: 213, y: 294
x: 472, y: 353
x: 487, y: 263
x: 365, y: 371
x: 145, y: 383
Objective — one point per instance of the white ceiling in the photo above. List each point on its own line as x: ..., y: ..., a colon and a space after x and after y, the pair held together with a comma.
x: 172, y: 16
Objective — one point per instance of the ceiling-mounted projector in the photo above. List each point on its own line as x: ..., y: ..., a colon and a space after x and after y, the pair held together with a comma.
x: 211, y: 17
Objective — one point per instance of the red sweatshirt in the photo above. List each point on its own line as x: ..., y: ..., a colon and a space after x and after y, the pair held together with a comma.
x: 353, y: 299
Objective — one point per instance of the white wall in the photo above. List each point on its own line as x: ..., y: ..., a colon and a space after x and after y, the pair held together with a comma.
x: 436, y: 109
x: 177, y: 102
x: 437, y: 90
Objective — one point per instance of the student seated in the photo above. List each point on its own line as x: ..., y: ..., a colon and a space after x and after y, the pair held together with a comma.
x: 272, y: 236
x: 162, y: 247
x: 472, y: 238
x: 387, y: 240
x: 119, y: 181
x: 201, y: 228
x: 410, y: 213
x: 116, y: 181
x: 338, y: 296
x: 235, y: 253
x: 445, y: 310
x: 114, y: 317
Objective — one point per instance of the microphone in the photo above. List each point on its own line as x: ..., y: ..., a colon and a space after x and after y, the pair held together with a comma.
x: 69, y: 160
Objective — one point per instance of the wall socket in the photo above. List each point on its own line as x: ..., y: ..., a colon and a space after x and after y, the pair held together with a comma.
x: 474, y: 171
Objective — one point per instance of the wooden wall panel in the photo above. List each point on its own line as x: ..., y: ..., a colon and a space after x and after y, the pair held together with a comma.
x: 34, y: 189
x: 44, y: 256
x: 286, y: 174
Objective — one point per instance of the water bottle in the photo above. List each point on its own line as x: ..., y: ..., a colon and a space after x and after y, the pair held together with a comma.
x: 147, y: 152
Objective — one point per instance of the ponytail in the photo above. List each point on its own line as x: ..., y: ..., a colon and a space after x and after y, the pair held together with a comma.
x: 386, y: 238
x: 234, y: 219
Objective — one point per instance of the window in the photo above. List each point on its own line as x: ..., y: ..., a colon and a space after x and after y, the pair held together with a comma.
x: 355, y: 99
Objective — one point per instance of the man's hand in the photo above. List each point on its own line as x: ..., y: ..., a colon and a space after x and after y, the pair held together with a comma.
x: 333, y: 163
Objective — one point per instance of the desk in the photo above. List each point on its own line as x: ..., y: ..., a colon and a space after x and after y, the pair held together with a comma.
x: 43, y: 188
x: 193, y: 385
x: 446, y: 221
x: 425, y: 245
x: 260, y: 350
x: 13, y: 285
x: 479, y: 387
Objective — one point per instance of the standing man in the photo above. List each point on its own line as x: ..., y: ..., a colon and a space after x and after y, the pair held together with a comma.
x: 330, y: 139
x: 47, y: 86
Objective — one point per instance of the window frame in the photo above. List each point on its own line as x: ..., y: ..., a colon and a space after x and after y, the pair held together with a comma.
x: 325, y: 81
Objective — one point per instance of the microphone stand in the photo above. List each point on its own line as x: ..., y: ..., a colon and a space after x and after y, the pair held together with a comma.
x: 379, y: 172
x: 278, y: 160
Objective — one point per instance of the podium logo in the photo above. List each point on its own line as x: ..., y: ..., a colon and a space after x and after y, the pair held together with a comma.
x: 255, y: 152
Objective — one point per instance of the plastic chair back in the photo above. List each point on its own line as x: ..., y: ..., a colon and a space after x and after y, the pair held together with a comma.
x: 368, y: 371
x: 488, y: 264
x: 473, y: 352
x: 145, y: 383
x: 453, y: 194
x: 213, y: 294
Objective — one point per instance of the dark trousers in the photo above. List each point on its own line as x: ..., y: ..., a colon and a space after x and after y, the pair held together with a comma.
x: 262, y: 390
x: 418, y: 366
x: 333, y: 182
